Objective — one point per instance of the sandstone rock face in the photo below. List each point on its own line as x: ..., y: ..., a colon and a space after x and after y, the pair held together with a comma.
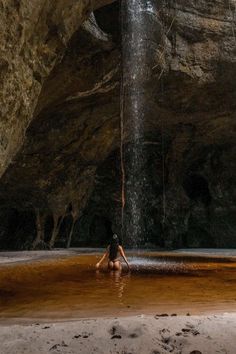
x: 60, y: 125
x: 34, y: 36
x: 77, y: 64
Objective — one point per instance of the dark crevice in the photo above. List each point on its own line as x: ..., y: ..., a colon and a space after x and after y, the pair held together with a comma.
x: 197, y: 189
x: 108, y: 19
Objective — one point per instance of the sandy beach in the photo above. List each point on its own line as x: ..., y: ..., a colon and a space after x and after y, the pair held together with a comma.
x: 155, y: 334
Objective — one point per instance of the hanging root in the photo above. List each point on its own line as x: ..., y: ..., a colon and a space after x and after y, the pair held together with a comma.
x: 122, y: 163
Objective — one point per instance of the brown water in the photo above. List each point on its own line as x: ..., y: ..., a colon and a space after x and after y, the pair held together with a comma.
x: 158, y: 283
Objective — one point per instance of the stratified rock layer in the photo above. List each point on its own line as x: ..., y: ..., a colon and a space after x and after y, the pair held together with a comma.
x: 60, y: 128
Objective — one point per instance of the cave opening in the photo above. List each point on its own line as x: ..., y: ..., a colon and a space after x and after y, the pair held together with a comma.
x: 108, y: 19
x: 197, y: 188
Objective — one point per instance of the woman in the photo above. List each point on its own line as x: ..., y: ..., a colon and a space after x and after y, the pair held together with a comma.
x: 112, y: 253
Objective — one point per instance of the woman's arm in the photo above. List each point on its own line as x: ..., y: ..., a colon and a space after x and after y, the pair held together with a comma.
x: 122, y: 253
x: 103, y: 257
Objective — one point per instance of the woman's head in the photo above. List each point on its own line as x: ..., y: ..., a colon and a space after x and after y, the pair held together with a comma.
x: 114, y: 240
x: 115, y: 237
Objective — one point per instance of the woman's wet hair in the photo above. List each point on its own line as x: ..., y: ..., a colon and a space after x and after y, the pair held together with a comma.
x: 114, y: 244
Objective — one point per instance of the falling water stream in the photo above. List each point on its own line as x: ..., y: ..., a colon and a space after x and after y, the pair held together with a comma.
x: 139, y: 42
x: 141, y: 38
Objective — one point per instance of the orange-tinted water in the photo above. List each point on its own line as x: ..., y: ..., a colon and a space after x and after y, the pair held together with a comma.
x: 158, y: 283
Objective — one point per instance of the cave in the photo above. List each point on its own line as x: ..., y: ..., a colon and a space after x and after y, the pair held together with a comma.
x: 60, y: 138
x: 117, y: 176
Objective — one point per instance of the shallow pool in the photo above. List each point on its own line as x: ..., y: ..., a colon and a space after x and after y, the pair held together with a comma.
x: 172, y: 283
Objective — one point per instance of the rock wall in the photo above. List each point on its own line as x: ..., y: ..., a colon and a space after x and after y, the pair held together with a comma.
x: 34, y: 37
x: 50, y: 170
x: 60, y: 129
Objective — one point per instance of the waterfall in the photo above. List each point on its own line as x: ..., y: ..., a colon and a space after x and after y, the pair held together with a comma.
x: 140, y: 38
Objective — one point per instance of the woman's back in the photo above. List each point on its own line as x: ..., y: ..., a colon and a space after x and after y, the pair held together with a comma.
x: 114, y: 248
x: 112, y: 252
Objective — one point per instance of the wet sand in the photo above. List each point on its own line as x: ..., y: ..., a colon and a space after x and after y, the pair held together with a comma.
x: 125, y: 335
